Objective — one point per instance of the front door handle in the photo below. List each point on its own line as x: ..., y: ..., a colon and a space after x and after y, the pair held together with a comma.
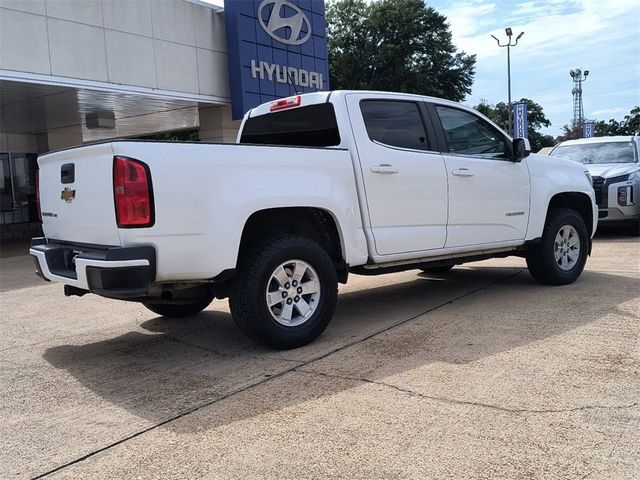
x: 384, y: 168
x: 462, y: 172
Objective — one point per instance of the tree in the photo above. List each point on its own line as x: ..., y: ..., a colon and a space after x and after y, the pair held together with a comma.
x: 395, y: 45
x: 536, y: 118
x: 630, y: 125
x: 569, y: 132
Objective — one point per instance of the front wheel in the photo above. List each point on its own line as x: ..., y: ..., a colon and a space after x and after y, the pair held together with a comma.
x: 560, y: 256
x: 285, y: 291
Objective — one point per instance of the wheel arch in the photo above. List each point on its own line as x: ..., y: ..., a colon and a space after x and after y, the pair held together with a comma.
x: 315, y: 223
x: 577, y: 201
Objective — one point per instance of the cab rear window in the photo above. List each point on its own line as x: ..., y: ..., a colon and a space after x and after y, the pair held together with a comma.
x: 312, y: 126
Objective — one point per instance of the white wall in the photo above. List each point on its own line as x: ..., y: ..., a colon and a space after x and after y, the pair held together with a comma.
x: 168, y: 45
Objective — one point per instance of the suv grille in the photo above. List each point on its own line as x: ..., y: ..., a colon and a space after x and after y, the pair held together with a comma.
x: 598, y: 184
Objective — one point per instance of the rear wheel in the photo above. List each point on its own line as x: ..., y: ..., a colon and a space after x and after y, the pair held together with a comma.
x: 437, y: 270
x: 179, y: 310
x: 560, y: 256
x: 285, y: 291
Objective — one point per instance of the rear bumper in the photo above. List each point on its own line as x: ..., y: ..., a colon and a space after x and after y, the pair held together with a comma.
x: 116, y: 272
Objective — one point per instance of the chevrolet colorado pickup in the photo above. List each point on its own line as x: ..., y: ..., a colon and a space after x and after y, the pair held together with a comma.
x: 318, y: 185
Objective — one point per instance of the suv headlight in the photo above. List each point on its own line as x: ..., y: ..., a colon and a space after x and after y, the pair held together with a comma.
x: 586, y: 172
x: 626, y: 194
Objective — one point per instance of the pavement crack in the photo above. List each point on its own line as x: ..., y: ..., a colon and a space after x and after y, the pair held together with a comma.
x: 274, y: 376
x: 468, y: 402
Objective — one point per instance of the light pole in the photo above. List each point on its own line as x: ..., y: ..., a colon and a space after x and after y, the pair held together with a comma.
x: 578, y: 77
x: 509, y: 33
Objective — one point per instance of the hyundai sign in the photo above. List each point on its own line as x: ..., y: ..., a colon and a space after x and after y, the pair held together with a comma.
x: 588, y: 129
x: 276, y: 48
x: 520, y: 124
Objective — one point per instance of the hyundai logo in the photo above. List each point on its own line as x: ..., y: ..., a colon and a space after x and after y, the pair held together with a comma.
x: 274, y: 27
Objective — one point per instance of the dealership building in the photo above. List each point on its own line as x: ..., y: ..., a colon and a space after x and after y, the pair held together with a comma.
x: 80, y: 71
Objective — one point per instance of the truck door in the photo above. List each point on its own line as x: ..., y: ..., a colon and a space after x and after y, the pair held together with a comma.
x: 404, y: 177
x: 488, y: 192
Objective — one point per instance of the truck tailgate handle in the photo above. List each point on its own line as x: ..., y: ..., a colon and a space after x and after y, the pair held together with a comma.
x: 462, y: 172
x: 384, y: 168
x: 68, y: 173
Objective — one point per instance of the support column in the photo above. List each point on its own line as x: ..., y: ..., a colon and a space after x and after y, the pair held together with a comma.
x: 64, y: 120
x: 64, y: 137
x: 216, y: 124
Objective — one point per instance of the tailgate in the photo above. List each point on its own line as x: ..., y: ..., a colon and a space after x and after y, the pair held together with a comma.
x: 76, y: 195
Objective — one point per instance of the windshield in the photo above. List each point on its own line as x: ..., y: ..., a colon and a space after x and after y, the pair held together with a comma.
x: 614, y: 152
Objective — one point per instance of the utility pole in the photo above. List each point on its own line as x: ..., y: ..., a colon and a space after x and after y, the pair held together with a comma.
x: 578, y: 77
x: 509, y: 33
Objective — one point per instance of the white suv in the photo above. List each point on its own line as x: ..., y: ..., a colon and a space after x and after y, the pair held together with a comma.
x: 614, y: 165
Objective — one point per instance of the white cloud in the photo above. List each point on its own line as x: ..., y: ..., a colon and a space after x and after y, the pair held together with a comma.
x: 559, y: 35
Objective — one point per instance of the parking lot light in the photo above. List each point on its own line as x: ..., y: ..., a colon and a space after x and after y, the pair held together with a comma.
x: 509, y: 33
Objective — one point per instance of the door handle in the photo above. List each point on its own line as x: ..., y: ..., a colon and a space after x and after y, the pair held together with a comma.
x: 384, y: 168
x: 462, y: 172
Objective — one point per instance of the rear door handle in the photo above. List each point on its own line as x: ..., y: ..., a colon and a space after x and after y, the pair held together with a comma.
x: 384, y: 169
x: 462, y: 172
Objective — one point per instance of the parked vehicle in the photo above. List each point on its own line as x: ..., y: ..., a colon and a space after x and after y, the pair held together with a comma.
x: 614, y: 165
x: 318, y: 186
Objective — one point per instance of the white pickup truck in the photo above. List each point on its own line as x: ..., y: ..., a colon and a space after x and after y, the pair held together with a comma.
x: 317, y: 186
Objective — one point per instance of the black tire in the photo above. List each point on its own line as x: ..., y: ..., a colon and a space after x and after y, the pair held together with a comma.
x: 253, y: 276
x: 437, y: 270
x: 634, y: 230
x: 179, y: 310
x: 541, y: 259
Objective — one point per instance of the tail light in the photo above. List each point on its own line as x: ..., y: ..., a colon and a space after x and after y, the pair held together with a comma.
x: 132, y: 193
x: 38, y: 195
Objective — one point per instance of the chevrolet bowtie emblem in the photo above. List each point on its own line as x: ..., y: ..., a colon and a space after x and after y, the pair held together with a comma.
x: 68, y: 195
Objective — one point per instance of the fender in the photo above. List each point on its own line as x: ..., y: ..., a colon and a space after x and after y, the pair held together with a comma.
x: 549, y: 177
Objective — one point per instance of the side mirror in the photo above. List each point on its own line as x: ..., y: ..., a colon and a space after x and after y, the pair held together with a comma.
x: 521, y: 149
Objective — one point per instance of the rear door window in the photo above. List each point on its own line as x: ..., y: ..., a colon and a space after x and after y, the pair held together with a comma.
x: 394, y: 123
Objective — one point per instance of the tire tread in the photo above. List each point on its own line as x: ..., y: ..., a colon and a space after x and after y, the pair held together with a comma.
x: 246, y: 273
x: 540, y: 258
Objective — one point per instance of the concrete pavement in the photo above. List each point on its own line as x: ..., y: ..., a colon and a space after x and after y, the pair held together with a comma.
x: 482, y: 373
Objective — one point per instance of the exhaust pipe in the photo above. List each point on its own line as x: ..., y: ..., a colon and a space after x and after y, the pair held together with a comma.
x: 166, y: 295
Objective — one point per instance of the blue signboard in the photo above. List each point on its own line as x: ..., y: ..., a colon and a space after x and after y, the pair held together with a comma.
x: 520, y: 122
x: 276, y: 48
x: 588, y: 129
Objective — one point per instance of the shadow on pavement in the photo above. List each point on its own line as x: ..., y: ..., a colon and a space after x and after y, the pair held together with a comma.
x: 181, y: 364
x: 614, y: 234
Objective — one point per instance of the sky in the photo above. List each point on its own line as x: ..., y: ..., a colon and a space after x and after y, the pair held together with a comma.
x: 559, y: 35
x: 602, y: 36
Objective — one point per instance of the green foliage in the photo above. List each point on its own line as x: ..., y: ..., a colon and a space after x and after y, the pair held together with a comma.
x: 630, y: 125
x: 395, y: 45
x: 499, y: 114
x: 569, y: 132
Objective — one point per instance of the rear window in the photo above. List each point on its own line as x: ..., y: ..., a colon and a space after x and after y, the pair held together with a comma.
x: 312, y: 126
